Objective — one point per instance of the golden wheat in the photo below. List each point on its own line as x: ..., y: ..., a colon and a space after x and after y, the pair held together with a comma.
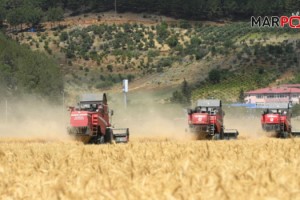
x: 151, y: 169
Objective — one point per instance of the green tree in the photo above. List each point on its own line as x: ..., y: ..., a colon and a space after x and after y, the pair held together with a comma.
x: 33, y: 15
x: 177, y: 97
x: 64, y: 36
x: 214, y: 76
x: 172, y: 41
x: 162, y: 31
x: 241, y: 98
x: 2, y: 12
x: 186, y: 91
x: 109, y: 68
x: 15, y: 17
x: 55, y: 15
x: 183, y: 96
x: 27, y: 72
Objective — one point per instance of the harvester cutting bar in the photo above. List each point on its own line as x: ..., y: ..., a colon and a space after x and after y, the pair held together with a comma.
x: 296, y: 133
x: 230, y: 134
x: 121, y: 135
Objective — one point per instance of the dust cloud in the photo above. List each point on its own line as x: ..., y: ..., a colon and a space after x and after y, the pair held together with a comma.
x: 147, y: 117
x: 296, y: 124
x: 246, y: 121
x: 248, y: 127
x: 33, y: 118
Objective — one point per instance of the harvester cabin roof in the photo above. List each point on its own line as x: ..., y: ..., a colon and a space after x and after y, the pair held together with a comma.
x: 93, y: 98
x: 209, y: 103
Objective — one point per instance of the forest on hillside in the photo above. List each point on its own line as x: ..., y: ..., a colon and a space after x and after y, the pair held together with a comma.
x: 34, y: 11
x: 23, y: 71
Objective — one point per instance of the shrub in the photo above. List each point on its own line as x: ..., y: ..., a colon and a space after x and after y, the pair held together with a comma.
x: 109, y: 68
x: 184, y: 24
x: 214, y: 76
x: 130, y: 77
x: 64, y: 36
x: 172, y: 41
x: 153, y: 53
x: 104, y: 84
x: 165, y: 62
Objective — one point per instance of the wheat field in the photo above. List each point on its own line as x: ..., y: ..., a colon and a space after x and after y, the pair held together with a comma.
x: 150, y: 169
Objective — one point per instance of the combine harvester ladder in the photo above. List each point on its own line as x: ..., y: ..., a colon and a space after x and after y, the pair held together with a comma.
x: 95, y: 122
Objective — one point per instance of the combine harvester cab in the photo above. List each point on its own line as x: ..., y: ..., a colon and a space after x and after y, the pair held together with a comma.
x: 276, y: 118
x: 90, y: 122
x: 206, y: 121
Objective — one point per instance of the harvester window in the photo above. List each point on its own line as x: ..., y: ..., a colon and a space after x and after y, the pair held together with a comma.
x: 200, y: 110
x: 94, y: 107
x: 203, y: 110
x: 85, y: 106
x: 275, y: 111
x: 88, y: 107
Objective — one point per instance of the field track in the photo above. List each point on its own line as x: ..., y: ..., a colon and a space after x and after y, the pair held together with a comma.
x: 150, y: 169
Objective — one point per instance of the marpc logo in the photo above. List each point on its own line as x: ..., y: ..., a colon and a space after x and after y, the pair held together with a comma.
x: 276, y: 21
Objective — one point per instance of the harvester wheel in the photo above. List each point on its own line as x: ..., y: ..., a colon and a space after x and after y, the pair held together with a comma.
x: 100, y: 139
x: 284, y: 135
x: 222, y: 134
x: 217, y: 136
x: 109, y: 136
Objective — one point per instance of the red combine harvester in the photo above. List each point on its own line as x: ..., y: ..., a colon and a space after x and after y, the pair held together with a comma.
x: 277, y: 119
x: 90, y: 121
x: 206, y: 120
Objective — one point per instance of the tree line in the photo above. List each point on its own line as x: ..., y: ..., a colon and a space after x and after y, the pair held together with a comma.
x: 33, y: 12
x: 29, y: 12
x: 210, y: 9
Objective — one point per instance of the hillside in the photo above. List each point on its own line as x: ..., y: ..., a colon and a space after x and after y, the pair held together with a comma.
x: 98, y: 51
